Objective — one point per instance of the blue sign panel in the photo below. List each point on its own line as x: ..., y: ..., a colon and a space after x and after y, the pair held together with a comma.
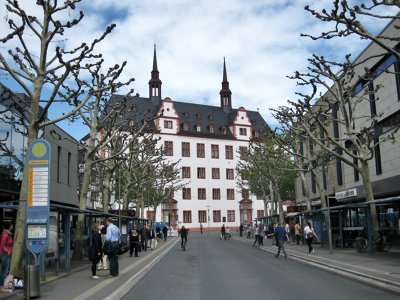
x: 38, y: 204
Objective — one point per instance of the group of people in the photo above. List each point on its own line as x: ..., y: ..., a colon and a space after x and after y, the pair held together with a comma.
x: 138, y: 239
x: 281, y: 235
x: 225, y: 233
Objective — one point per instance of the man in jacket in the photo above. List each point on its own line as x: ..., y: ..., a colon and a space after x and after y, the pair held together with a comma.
x: 113, y: 235
x: 280, y: 235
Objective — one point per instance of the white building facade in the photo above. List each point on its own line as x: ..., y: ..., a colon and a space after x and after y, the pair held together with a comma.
x: 208, y: 141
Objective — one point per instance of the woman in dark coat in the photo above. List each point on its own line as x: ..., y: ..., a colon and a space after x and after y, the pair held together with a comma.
x: 95, y: 250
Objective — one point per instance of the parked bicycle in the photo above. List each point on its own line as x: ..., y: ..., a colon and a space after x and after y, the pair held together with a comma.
x: 382, y: 243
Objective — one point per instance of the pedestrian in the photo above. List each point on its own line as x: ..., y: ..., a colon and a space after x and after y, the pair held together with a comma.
x: 249, y: 231
x: 95, y: 250
x: 256, y: 232
x: 297, y: 232
x: 261, y: 235
x: 151, y: 237
x: 6, y: 247
x: 134, y: 240
x: 309, y: 234
x: 165, y: 232
x: 103, y: 263
x: 158, y: 232
x: 113, y: 236
x: 222, y: 232
x: 227, y: 233
x: 280, y: 236
x: 241, y: 230
x: 201, y: 228
x: 144, y: 235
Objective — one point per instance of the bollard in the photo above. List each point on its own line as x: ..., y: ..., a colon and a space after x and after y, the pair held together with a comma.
x: 31, y: 281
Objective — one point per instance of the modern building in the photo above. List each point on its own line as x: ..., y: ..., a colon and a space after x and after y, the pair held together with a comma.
x: 381, y: 98
x: 208, y: 141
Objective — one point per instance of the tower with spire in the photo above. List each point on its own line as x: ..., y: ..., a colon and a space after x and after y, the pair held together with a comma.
x: 225, y: 93
x: 155, y: 82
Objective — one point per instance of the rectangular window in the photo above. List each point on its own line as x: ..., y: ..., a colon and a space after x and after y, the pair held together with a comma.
x: 216, y: 216
x: 186, y: 194
x: 185, y: 172
x: 243, y: 152
x: 185, y: 149
x: 231, y: 216
x: 242, y: 131
x: 229, y: 152
x: 201, y: 173
x: 201, y: 194
x: 377, y: 155
x: 167, y: 124
x: 170, y: 193
x: 214, y: 151
x: 187, y: 216
x: 215, y: 173
x: 260, y: 213
x: 168, y: 148
x: 230, y: 194
x: 201, y: 150
x: 243, y: 174
x: 69, y: 169
x: 216, y: 194
x: 202, y: 216
x: 58, y: 163
x: 245, y: 193
x: 230, y: 174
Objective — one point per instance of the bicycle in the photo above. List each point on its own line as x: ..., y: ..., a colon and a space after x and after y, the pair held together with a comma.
x: 184, y: 242
x: 382, y: 243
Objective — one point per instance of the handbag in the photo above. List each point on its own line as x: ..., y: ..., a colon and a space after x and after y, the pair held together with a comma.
x: 108, y: 248
x: 310, y: 235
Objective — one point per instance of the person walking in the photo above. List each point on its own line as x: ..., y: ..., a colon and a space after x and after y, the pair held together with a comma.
x: 280, y: 236
x: 222, y: 232
x: 201, y: 228
x: 95, y: 250
x: 256, y: 232
x: 113, y: 235
x: 6, y: 247
x: 134, y: 240
x: 165, y: 232
x: 151, y: 237
x: 241, y: 230
x: 249, y: 231
x: 261, y: 235
x: 297, y: 232
x: 309, y: 234
x: 144, y: 235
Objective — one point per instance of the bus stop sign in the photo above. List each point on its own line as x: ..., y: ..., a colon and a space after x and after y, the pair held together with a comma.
x: 38, y: 204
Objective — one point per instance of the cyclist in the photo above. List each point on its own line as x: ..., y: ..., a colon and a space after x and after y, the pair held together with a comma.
x: 184, y: 234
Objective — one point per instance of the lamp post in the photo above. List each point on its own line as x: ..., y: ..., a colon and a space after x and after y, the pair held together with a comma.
x: 328, y: 206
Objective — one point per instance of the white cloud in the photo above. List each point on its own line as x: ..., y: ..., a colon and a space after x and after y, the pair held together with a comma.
x: 260, y: 40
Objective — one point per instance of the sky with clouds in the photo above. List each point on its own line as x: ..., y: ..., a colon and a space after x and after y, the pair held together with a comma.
x: 260, y: 40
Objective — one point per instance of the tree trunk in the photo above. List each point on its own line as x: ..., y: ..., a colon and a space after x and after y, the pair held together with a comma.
x: 306, y: 190
x: 106, y: 190
x: 20, y: 226
x: 369, y: 196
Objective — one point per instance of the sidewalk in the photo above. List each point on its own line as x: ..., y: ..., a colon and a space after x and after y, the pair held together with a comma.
x: 78, y: 284
x: 382, y: 269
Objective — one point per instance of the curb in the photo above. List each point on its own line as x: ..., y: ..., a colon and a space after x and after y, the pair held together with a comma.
x: 390, y: 286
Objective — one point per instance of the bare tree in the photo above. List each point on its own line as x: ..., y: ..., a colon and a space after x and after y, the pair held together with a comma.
x: 319, y: 116
x: 37, y: 67
x: 347, y: 20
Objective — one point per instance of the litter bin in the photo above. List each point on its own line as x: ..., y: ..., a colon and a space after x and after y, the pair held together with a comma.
x: 31, y: 281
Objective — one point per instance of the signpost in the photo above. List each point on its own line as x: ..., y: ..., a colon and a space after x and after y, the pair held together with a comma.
x: 38, y: 205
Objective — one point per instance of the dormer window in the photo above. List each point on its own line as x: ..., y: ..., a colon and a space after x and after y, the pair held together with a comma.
x: 167, y: 124
x: 223, y: 130
x: 256, y: 134
x: 186, y: 114
x: 198, y: 115
x: 242, y: 131
x: 211, y: 128
x: 198, y: 128
x: 211, y: 117
x: 185, y: 127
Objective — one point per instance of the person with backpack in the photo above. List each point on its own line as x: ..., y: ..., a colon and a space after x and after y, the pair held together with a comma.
x: 281, y: 235
x: 95, y: 249
x: 6, y: 247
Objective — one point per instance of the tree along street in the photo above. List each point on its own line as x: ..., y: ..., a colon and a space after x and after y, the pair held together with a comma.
x: 211, y: 268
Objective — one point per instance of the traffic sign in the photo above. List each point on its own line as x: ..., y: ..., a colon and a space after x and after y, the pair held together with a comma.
x: 38, y: 204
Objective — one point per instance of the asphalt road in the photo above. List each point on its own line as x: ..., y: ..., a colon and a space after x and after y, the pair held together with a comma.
x: 211, y: 268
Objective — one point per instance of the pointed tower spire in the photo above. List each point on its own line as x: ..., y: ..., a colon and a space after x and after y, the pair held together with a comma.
x: 155, y: 82
x: 225, y: 93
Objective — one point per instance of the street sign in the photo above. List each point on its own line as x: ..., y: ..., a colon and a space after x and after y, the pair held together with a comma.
x: 38, y: 204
